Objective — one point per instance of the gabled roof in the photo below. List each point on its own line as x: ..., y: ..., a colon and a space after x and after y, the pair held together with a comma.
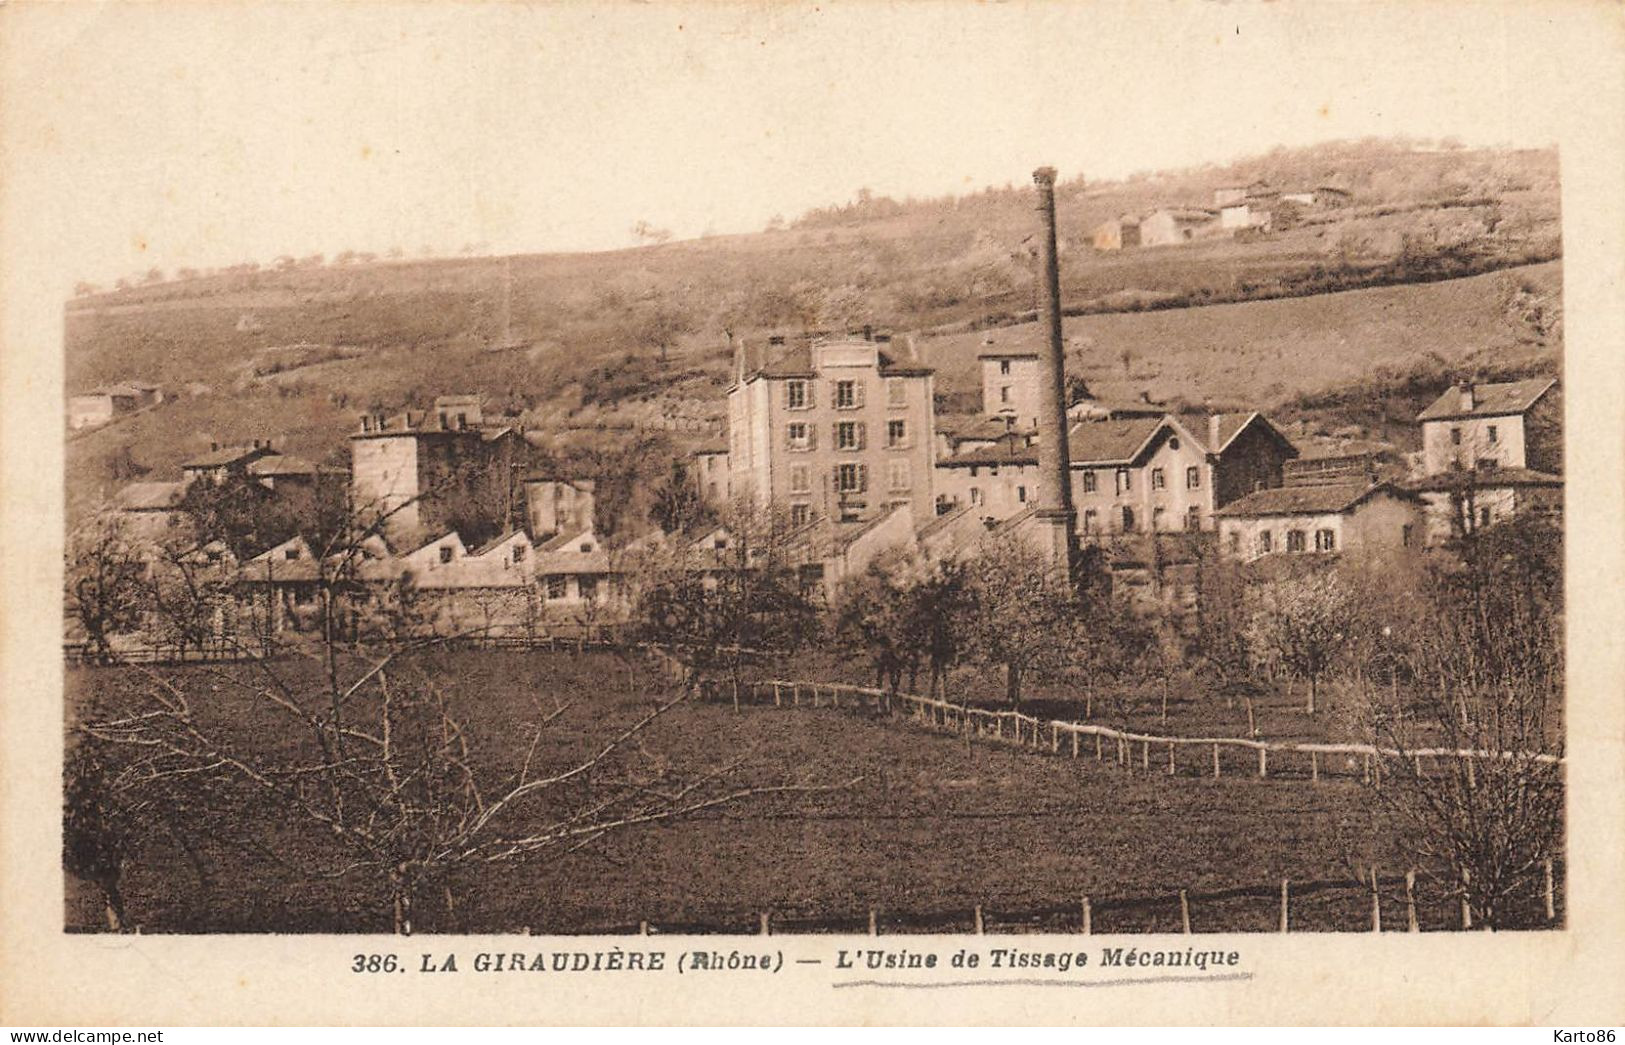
x: 1483, y: 479
x: 1230, y: 426
x: 435, y: 540
x: 146, y: 497
x: 1112, y: 442
x: 496, y: 542
x: 1492, y: 400
x: 1332, y: 498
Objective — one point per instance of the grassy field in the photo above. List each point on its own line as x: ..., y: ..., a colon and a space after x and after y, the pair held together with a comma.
x: 932, y: 828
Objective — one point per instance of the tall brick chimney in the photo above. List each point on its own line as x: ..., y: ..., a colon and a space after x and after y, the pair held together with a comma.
x: 1054, y: 462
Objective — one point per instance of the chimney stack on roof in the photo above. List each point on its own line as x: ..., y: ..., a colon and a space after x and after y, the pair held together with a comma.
x: 1466, y: 388
x: 1213, y: 432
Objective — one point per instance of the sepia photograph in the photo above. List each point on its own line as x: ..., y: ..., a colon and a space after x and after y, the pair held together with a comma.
x: 613, y: 471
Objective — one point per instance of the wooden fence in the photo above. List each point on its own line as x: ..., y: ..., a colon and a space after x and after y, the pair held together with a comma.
x: 1173, y: 756
x: 1370, y: 902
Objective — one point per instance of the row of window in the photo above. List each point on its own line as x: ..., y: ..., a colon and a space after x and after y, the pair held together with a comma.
x: 1296, y: 541
x: 849, y: 435
x: 1124, y: 480
x: 847, y: 394
x: 851, y: 477
x: 1192, y: 520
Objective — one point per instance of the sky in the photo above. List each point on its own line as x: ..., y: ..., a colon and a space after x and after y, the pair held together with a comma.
x: 203, y: 135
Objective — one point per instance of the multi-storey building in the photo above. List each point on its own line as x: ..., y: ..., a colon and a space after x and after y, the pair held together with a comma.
x: 1490, y: 451
x: 431, y: 471
x: 837, y: 429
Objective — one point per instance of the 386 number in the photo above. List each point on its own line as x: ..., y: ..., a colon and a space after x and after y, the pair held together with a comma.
x: 374, y: 963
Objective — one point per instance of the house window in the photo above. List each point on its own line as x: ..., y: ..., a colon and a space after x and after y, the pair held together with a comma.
x: 555, y: 587
x: 1296, y: 540
x: 1235, y: 542
x: 1004, y: 366
x: 290, y: 553
x: 1125, y: 480
x: 896, y: 392
x: 795, y: 395
x: 1407, y: 534
x: 1193, y: 478
x: 1128, y: 520
x: 586, y: 548
x: 849, y: 478
x: 1157, y: 517
x: 896, y: 433
x: 975, y: 495
x: 799, y: 514
x: 899, y: 478
x: 1484, y: 516
x: 1004, y: 393
x: 846, y: 435
x: 445, y: 555
x: 1089, y: 483
x: 1455, y: 436
x: 846, y: 395
x: 799, y: 435
x: 720, y: 544
x: 1193, y: 518
x: 1091, y: 520
x: 1264, y: 542
x: 800, y: 478
x: 519, y: 553
x: 587, y: 585
x: 1021, y: 494
x: 1157, y: 480
x: 1325, y: 540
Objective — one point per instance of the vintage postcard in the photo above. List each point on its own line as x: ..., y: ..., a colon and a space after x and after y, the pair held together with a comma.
x: 786, y: 513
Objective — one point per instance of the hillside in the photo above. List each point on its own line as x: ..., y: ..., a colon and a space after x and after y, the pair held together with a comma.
x: 297, y: 348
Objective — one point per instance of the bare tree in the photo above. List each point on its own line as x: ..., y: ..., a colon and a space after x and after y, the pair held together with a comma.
x: 1301, y: 624
x: 106, y: 577
x: 1470, y: 716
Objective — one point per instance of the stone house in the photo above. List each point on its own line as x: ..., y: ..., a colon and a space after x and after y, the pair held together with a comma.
x: 1320, y: 519
x: 837, y: 428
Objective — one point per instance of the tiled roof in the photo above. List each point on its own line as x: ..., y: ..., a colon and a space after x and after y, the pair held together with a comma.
x: 1008, y: 450
x: 224, y: 456
x: 1305, y: 500
x: 1495, y: 400
x: 494, y: 543
x: 281, y: 464
x: 1110, y: 442
x: 149, y: 496
x: 1484, y: 479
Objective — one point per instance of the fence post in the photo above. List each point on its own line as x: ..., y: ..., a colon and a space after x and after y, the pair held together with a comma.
x: 1472, y: 776
x: 978, y: 919
x: 643, y: 928
x: 1411, y: 924
x: 1054, y: 738
x: 778, y: 697
x: 1314, y: 767
x: 1097, y: 747
x: 766, y: 927
x: 1284, y: 906
x: 1074, y: 743
x: 1170, y: 758
x: 1376, y: 773
x: 1551, y: 897
x: 1184, y: 912
x: 1252, y: 724
x: 1145, y: 754
x: 1088, y: 918
x: 1466, y: 908
x: 1376, y: 904
x: 874, y: 923
x: 1263, y: 762
x: 1365, y: 772
x: 1215, y: 761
